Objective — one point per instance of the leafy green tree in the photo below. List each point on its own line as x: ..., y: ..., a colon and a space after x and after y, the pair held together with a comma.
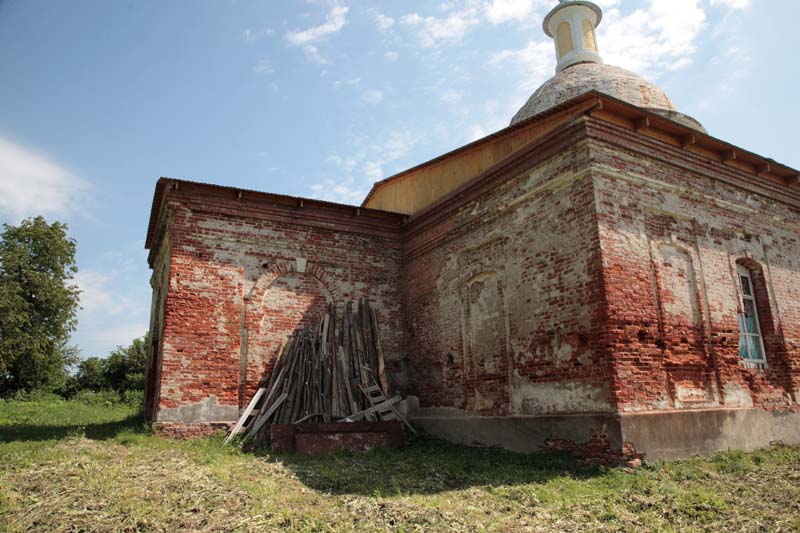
x: 91, y: 374
x: 38, y: 305
x: 125, y: 366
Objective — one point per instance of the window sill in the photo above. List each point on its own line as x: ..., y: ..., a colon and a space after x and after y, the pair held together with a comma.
x: 753, y: 365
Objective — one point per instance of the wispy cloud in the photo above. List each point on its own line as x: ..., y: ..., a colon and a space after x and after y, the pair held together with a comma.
x: 451, y: 96
x: 252, y: 36
x: 99, y: 296
x: 383, y: 22
x: 32, y: 184
x: 356, y: 173
x: 450, y: 28
x: 342, y: 83
x: 335, y: 21
x: 264, y: 66
x: 390, y: 56
x: 372, y: 96
x: 534, y: 63
x: 665, y: 33
x: 312, y: 53
x: 734, y: 4
x: 498, y: 11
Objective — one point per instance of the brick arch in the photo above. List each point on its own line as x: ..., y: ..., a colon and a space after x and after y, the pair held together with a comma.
x: 284, y: 268
x: 269, y: 323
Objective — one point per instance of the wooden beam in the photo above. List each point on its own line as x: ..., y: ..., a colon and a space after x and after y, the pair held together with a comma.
x: 642, y: 123
x: 728, y: 155
x: 766, y: 168
x: 688, y: 140
x: 793, y: 180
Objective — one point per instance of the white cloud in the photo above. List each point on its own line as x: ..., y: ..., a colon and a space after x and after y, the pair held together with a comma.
x: 475, y: 132
x: 383, y: 22
x: 535, y: 63
x: 96, y: 294
x: 390, y: 56
x: 733, y: 4
x: 111, y: 337
x: 313, y: 54
x: 450, y: 28
x: 451, y: 96
x: 498, y: 11
x: 31, y: 184
x: 372, y: 96
x: 264, y: 66
x: 352, y: 82
x: 335, y: 21
x: 337, y: 191
x: 373, y: 170
x: 653, y: 40
x: 252, y: 36
x: 412, y: 19
x: 370, y: 158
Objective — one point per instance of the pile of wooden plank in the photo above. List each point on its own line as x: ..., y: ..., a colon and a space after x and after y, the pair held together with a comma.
x: 332, y: 373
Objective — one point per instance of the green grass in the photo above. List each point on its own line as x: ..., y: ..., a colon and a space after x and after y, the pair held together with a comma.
x: 69, y: 466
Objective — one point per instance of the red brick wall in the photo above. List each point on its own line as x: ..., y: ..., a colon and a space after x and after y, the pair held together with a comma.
x: 503, y: 297
x: 591, y: 272
x: 273, y: 269
x: 672, y: 233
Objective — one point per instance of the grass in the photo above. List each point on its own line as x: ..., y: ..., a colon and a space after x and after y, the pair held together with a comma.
x: 68, y: 466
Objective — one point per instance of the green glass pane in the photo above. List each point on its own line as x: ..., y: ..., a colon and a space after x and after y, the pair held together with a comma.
x: 743, y: 347
x: 751, y: 348
x: 757, y: 352
x: 750, y: 317
x: 746, y: 286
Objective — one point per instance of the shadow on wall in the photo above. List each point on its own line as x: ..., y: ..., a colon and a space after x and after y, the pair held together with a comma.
x: 428, y: 466
x: 103, y: 431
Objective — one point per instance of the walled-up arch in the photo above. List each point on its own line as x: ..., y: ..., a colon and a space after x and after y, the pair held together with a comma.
x: 289, y: 296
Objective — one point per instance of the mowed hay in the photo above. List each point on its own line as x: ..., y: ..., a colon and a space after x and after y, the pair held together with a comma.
x: 104, y: 486
x: 125, y: 479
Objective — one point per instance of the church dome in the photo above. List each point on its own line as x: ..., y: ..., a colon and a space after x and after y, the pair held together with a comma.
x: 616, y: 82
x: 580, y: 69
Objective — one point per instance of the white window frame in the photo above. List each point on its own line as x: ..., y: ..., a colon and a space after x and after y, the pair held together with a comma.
x: 744, y: 272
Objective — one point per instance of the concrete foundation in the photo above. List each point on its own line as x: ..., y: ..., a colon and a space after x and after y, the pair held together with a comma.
x: 518, y: 433
x: 655, y: 435
x: 679, y: 434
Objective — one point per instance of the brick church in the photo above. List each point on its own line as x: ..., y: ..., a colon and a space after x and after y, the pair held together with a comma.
x: 602, y: 273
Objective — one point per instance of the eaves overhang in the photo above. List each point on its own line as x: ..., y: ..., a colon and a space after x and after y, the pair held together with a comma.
x: 639, y: 119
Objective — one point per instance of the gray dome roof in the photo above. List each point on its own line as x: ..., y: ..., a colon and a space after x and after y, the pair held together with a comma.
x: 613, y: 81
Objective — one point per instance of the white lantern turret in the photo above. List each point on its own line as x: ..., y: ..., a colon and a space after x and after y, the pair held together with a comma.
x: 572, y: 25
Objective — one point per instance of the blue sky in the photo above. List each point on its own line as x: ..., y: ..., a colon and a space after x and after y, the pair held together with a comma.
x: 320, y: 98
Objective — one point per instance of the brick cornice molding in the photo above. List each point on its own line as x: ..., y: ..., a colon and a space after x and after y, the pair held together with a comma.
x: 698, y: 164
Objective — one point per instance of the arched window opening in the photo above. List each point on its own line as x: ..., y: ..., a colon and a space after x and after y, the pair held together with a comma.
x: 751, y: 343
x: 565, y: 44
x: 589, y: 40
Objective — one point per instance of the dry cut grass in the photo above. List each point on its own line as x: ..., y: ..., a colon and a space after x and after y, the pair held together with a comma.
x: 65, y: 467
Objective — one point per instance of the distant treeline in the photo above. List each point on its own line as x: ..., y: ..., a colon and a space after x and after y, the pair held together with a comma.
x: 39, y: 301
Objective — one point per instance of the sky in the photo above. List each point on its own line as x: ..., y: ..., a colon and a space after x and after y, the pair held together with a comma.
x: 320, y: 98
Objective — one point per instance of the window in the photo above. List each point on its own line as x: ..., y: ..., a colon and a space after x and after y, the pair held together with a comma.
x: 589, y: 42
x: 751, y: 345
x: 564, y: 39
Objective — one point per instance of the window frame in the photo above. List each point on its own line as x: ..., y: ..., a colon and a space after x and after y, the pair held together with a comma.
x: 744, y: 272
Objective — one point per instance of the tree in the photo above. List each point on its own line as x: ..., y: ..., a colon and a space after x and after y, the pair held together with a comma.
x: 91, y: 374
x: 38, y: 305
x: 125, y: 366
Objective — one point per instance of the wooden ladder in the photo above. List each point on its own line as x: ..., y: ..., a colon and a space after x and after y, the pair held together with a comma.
x: 376, y: 398
x: 385, y: 410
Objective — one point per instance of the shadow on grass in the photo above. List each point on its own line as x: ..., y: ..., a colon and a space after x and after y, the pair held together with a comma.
x: 428, y: 465
x: 98, y: 431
